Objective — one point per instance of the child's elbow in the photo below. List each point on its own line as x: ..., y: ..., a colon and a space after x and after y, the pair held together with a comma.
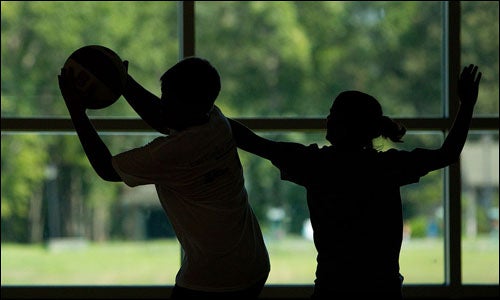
x: 449, y: 156
x: 110, y: 176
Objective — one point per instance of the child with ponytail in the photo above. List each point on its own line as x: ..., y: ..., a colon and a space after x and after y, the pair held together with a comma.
x: 353, y: 190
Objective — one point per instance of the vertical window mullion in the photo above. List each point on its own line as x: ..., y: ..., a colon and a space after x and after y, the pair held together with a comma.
x: 186, y: 28
x: 185, y: 12
x: 453, y: 209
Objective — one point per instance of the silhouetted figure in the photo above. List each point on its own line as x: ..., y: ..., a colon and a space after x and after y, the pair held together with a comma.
x: 198, y: 176
x: 353, y: 190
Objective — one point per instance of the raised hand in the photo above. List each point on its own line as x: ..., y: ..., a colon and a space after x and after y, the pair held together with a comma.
x: 468, y: 85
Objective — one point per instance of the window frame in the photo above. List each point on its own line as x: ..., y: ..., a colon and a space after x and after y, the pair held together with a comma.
x: 452, y: 188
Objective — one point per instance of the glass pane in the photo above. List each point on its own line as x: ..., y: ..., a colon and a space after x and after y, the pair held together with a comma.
x: 290, y: 58
x: 63, y: 225
x: 38, y: 37
x: 281, y: 209
x: 479, y: 164
x: 54, y: 208
x: 422, y: 252
x: 479, y: 45
x: 283, y: 214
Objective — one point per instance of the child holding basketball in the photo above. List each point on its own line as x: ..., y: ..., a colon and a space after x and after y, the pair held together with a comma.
x: 353, y: 190
x: 198, y: 176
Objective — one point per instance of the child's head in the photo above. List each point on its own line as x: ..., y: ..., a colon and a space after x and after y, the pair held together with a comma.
x: 189, y: 90
x: 356, y: 118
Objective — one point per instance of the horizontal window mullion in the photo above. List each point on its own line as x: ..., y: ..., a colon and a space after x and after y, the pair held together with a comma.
x: 267, y: 124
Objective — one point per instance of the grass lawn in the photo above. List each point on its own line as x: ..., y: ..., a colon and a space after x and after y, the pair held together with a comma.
x: 293, y: 261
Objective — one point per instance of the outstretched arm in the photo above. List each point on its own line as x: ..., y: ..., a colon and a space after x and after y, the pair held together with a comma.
x: 468, y: 90
x: 95, y: 149
x: 247, y: 140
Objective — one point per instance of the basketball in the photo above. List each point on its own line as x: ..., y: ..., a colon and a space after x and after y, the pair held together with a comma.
x: 99, y: 74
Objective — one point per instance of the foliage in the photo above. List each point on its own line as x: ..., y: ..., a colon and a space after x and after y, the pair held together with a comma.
x: 276, y: 59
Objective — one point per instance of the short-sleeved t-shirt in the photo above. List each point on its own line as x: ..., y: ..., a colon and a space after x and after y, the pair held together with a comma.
x: 355, y: 205
x: 199, y: 180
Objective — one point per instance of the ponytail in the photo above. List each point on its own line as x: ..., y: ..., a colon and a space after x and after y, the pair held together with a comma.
x: 391, y: 129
